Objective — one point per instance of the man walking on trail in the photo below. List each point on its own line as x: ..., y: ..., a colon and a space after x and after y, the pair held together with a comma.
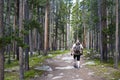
x: 77, y: 51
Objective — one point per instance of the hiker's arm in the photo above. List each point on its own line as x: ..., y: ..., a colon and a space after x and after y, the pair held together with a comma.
x: 81, y: 46
x: 81, y: 49
x: 72, y: 52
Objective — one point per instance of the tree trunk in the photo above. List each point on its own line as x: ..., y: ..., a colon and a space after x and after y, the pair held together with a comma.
x: 116, y: 44
x: 119, y: 29
x: 8, y: 26
x: 26, y: 37
x: 30, y: 42
x: 100, y: 27
x: 1, y: 63
x: 27, y: 53
x: 46, y: 29
x: 16, y: 22
x: 21, y: 36
x: 31, y: 36
x: 1, y: 35
x: 84, y: 28
x: 104, y: 27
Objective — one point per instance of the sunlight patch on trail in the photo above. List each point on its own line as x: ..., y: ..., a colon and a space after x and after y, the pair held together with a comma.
x: 91, y: 73
x: 67, y: 58
x: 61, y: 74
x: 50, y: 55
x: 44, y: 68
x: 107, y: 73
x: 67, y: 67
x: 89, y: 63
x: 50, y: 75
x: 78, y: 79
x: 57, y: 77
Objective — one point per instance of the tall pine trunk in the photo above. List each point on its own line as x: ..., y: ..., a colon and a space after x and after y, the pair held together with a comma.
x: 21, y: 36
x: 26, y: 37
x: 1, y: 48
x: 46, y: 28
x: 119, y: 29
x: 100, y: 27
x: 116, y: 44
x: 9, y: 29
x: 104, y: 27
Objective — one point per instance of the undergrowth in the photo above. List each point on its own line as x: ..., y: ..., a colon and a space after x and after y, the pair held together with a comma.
x: 34, y: 61
x: 104, y: 69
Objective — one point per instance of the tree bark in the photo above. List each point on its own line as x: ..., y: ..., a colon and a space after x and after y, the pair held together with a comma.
x: 116, y: 54
x: 21, y: 36
x: 26, y: 37
x: 100, y: 27
x: 1, y: 35
x: 9, y: 29
x: 46, y: 28
x: 104, y: 27
x: 119, y: 29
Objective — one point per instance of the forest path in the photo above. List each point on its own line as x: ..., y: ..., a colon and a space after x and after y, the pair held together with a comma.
x: 62, y: 69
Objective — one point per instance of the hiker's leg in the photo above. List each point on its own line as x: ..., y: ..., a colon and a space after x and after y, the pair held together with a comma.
x: 78, y: 61
x: 75, y: 57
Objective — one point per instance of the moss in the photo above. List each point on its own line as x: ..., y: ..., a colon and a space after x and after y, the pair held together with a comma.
x: 12, y: 64
x: 105, y: 69
x: 35, y: 61
x: 116, y: 75
x: 31, y: 74
x: 11, y: 76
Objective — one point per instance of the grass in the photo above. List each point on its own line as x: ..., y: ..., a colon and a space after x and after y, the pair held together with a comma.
x: 31, y: 73
x: 14, y: 63
x: 116, y: 74
x: 11, y: 76
x: 105, y: 69
x: 33, y: 62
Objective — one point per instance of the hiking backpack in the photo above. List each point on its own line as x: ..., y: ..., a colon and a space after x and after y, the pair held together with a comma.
x: 77, y: 50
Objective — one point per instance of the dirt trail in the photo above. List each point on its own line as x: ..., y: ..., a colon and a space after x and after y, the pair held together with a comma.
x: 62, y: 69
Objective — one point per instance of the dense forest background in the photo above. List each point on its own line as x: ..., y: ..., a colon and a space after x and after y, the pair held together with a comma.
x: 40, y: 26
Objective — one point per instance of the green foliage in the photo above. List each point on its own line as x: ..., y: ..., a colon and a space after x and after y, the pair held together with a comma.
x: 31, y: 24
x: 11, y: 36
x: 11, y: 76
x: 77, y: 20
x: 13, y: 64
x: 105, y: 70
x: 36, y: 3
x: 31, y: 73
x: 61, y: 16
x: 116, y: 75
x: 55, y: 53
x: 4, y: 41
x: 110, y: 3
x: 111, y: 29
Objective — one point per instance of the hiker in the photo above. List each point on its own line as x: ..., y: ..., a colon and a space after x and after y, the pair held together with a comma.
x: 77, y: 51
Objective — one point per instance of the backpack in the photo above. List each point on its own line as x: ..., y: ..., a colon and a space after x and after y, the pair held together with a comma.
x: 76, y: 49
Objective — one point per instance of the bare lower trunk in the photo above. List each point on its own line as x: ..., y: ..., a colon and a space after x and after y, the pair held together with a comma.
x: 116, y: 44
x: 1, y: 64
x: 21, y: 63
x: 46, y: 29
x: 21, y: 36
x: 30, y: 42
x: 1, y: 45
